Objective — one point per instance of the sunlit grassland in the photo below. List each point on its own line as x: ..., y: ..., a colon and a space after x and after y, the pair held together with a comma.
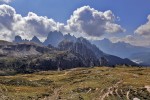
x: 120, y: 83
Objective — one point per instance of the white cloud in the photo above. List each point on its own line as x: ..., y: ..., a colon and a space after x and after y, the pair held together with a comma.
x: 7, y: 14
x: 127, y: 39
x: 132, y: 39
x: 32, y: 25
x: 143, y: 33
x: 144, y: 30
x: 6, y: 1
x: 87, y: 21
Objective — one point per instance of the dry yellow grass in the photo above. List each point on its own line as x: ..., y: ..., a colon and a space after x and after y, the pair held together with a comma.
x: 120, y: 83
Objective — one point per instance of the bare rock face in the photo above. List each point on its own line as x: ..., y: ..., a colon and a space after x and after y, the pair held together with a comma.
x: 103, y: 61
x: 30, y: 57
x: 88, y: 57
x: 92, y: 55
x: 22, y: 49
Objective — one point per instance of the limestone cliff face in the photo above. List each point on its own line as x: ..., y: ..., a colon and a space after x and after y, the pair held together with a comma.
x: 92, y: 55
x: 30, y: 57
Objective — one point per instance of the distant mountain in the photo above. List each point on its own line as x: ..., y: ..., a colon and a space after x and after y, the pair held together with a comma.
x: 70, y: 37
x: 36, y: 40
x: 30, y: 57
x: 121, y: 49
x: 105, y: 47
x: 87, y: 50
x: 54, y: 38
x: 18, y: 39
x: 142, y: 58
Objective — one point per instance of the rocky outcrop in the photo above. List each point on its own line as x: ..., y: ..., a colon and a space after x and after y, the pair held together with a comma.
x: 93, y: 56
x: 88, y: 56
x: 22, y: 49
x: 18, y: 39
x: 30, y: 57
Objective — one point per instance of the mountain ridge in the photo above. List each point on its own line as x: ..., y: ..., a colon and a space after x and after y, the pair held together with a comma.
x: 31, y: 57
x: 121, y: 49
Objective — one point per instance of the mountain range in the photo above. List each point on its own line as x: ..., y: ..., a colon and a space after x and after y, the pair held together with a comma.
x: 24, y: 56
x: 120, y: 49
x: 137, y: 54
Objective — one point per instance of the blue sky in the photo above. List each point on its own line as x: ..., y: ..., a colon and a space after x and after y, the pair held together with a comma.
x: 132, y: 14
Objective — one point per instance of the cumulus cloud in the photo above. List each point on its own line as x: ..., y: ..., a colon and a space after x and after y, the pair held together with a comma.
x: 127, y: 39
x: 34, y: 25
x: 7, y: 15
x: 85, y: 21
x: 144, y: 30
x: 12, y: 24
x: 132, y: 39
x: 91, y: 22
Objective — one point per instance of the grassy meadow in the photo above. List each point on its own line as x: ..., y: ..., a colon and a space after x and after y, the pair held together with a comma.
x: 98, y: 83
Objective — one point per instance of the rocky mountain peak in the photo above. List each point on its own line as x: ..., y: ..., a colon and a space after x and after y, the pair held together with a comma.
x: 18, y: 39
x: 36, y: 40
x: 54, y: 38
